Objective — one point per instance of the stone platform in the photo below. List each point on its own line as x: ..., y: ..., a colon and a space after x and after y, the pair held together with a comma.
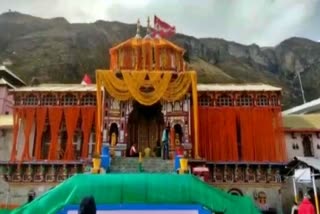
x: 151, y: 165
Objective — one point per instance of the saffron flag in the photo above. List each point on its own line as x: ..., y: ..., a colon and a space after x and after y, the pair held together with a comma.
x: 86, y: 80
x: 162, y: 28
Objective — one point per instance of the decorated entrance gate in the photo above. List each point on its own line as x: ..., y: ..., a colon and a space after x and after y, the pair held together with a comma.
x: 147, y: 71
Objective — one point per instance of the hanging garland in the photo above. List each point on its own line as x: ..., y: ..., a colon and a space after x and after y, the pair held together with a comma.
x: 178, y: 88
x: 135, y: 84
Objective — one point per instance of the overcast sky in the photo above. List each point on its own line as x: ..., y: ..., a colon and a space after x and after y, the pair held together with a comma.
x: 264, y: 22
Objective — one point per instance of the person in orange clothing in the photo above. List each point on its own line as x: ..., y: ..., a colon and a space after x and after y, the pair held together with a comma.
x: 306, y: 207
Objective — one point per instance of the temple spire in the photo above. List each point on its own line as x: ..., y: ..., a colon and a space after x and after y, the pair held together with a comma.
x: 148, y: 28
x: 138, y: 29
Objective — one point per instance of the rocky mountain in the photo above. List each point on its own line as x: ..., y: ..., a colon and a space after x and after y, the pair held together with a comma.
x: 54, y: 50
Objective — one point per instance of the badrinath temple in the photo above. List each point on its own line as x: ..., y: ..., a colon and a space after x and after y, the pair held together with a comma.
x: 231, y: 134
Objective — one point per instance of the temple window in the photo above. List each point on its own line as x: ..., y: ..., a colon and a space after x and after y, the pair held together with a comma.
x: 30, y: 100
x: 205, y: 101
x: 169, y: 107
x: 262, y: 100
x: 245, y: 100
x: 17, y: 100
x: 49, y: 100
x: 224, y: 100
x: 177, y: 106
x: 89, y: 100
x: 69, y: 100
x: 274, y: 100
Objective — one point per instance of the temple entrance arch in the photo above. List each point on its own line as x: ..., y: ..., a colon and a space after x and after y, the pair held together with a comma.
x: 178, y: 133
x: 307, y: 146
x: 113, y: 133
x: 145, y: 125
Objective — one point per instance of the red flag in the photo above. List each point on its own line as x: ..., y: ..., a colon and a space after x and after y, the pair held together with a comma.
x: 86, y: 80
x: 162, y: 28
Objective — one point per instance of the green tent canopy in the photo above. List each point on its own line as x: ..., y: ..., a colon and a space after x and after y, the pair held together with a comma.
x: 138, y: 189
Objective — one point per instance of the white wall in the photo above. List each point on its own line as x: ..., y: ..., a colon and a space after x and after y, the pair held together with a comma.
x: 298, y: 140
x: 291, y: 153
x: 315, y: 142
x: 5, y: 144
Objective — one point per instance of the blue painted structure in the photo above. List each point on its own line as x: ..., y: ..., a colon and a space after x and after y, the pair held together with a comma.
x: 156, y: 207
x: 105, y: 158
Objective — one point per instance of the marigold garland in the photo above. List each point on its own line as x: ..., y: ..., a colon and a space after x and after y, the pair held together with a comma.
x: 128, y: 84
x: 164, y: 87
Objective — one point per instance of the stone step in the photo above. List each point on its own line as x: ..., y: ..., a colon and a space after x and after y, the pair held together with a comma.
x: 125, y: 164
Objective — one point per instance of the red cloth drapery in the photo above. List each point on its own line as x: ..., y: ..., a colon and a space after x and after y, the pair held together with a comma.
x: 71, y: 118
x: 41, y: 114
x: 218, y: 134
x: 16, y: 117
x: 230, y: 135
x: 280, y: 150
x: 241, y: 133
x: 87, y: 115
x: 28, y: 113
x: 245, y: 127
x: 55, y: 116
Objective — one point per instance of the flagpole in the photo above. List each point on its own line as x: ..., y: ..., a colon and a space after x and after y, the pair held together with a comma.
x: 315, y: 193
x: 295, y: 190
x: 301, y: 87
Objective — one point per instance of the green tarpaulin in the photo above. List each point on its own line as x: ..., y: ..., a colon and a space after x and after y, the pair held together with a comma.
x: 138, y: 189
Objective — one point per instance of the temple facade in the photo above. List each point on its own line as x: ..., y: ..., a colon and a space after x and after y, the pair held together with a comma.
x: 234, y: 132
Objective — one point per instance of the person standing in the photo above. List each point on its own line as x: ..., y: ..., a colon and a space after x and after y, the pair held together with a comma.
x: 88, y: 206
x: 165, y: 143
x: 306, y: 207
x: 31, y: 195
x: 133, y: 151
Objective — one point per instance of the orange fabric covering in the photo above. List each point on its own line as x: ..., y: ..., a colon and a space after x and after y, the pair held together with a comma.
x: 217, y: 133
x: 71, y: 117
x: 16, y: 117
x: 241, y: 133
x: 28, y: 122
x: 150, y: 54
x: 38, y: 115
x: 41, y: 114
x: 87, y: 115
x: 55, y: 117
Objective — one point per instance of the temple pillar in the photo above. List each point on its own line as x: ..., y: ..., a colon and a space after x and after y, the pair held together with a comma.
x: 20, y: 140
x: 32, y: 140
x: 91, y: 144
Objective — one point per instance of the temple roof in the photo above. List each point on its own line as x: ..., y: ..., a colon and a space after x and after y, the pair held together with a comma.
x: 310, y: 107
x: 57, y: 88
x: 146, y: 53
x: 12, y: 79
x: 136, y: 42
x: 92, y: 87
x: 298, y: 122
x: 237, y: 87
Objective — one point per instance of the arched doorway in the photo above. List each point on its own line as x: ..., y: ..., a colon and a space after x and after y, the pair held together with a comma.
x: 307, y: 146
x: 178, y: 132
x: 145, y: 125
x: 235, y: 191
x: 113, y: 130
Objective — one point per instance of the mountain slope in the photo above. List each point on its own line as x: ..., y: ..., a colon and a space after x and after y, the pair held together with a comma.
x: 53, y: 50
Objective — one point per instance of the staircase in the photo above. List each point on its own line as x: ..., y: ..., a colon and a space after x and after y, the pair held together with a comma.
x: 150, y: 165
